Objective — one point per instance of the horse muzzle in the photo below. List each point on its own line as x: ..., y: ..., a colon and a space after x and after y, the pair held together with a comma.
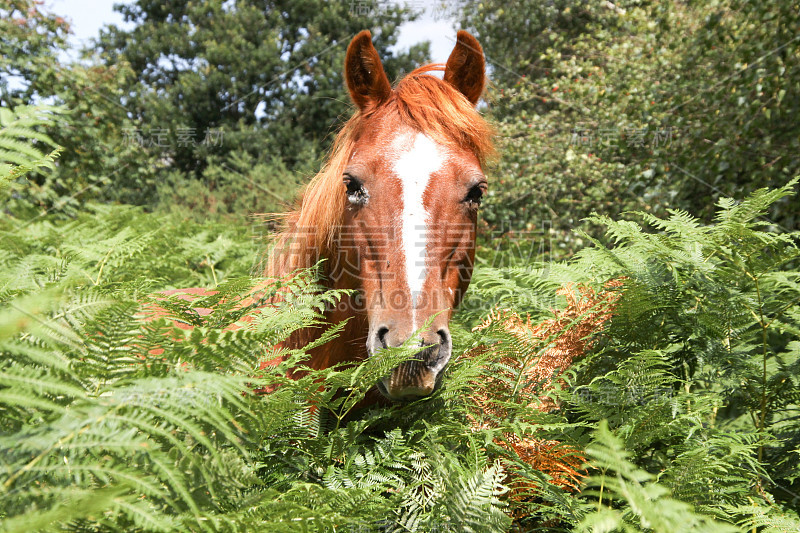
x: 421, y: 375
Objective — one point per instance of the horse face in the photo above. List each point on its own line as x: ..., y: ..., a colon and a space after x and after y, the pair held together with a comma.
x: 411, y: 224
x: 411, y: 218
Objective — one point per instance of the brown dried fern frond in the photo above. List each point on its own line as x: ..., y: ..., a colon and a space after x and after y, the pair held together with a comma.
x: 542, y: 351
x: 531, y: 357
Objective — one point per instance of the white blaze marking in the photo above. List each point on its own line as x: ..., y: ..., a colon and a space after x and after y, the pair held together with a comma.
x: 417, y: 160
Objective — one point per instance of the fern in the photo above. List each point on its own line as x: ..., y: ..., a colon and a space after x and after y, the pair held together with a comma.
x: 162, y: 425
x: 109, y: 421
x: 18, y: 155
x: 628, y: 499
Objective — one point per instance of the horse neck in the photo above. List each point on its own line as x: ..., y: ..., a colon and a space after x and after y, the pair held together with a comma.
x: 350, y: 343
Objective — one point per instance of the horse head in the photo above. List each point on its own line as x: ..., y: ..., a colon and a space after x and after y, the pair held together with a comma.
x: 411, y: 185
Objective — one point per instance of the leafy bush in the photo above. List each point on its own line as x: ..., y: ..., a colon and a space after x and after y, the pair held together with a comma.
x: 233, y: 190
x: 633, y: 105
x: 695, y: 373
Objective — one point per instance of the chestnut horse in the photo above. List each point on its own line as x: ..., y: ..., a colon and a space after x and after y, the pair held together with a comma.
x: 393, y: 213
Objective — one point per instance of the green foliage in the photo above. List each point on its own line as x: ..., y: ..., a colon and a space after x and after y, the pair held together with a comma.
x: 702, y: 386
x: 695, y: 375
x: 189, y: 92
x: 645, y: 505
x: 686, y: 407
x: 99, y: 160
x: 631, y: 105
x: 158, y: 428
x: 112, y: 422
x: 18, y: 156
x: 263, y: 79
x: 32, y: 40
x: 239, y: 188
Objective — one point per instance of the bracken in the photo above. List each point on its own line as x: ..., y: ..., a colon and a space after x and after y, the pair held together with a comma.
x: 554, y: 344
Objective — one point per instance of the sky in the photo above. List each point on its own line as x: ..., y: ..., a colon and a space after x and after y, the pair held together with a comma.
x: 88, y: 16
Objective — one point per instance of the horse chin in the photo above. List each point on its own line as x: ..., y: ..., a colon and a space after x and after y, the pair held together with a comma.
x: 410, y: 394
x: 405, y: 399
x: 384, y: 392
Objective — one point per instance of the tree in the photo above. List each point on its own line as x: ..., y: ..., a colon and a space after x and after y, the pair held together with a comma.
x: 262, y: 78
x: 32, y: 40
x: 636, y: 105
x: 91, y: 121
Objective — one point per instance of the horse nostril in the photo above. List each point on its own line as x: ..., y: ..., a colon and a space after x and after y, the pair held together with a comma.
x: 382, y: 336
x: 444, y: 336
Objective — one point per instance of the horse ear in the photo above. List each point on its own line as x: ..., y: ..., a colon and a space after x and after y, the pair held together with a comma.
x: 466, y: 68
x: 364, y: 74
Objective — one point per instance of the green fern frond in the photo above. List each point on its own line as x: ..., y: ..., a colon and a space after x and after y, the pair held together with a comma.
x: 628, y: 499
x: 18, y: 131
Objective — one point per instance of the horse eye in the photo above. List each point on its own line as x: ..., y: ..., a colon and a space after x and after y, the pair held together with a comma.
x: 356, y: 193
x: 475, y: 195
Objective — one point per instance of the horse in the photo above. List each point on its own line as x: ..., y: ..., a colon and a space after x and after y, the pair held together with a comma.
x: 393, y: 212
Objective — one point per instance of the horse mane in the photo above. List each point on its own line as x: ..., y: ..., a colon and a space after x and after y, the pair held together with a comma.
x: 421, y: 101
